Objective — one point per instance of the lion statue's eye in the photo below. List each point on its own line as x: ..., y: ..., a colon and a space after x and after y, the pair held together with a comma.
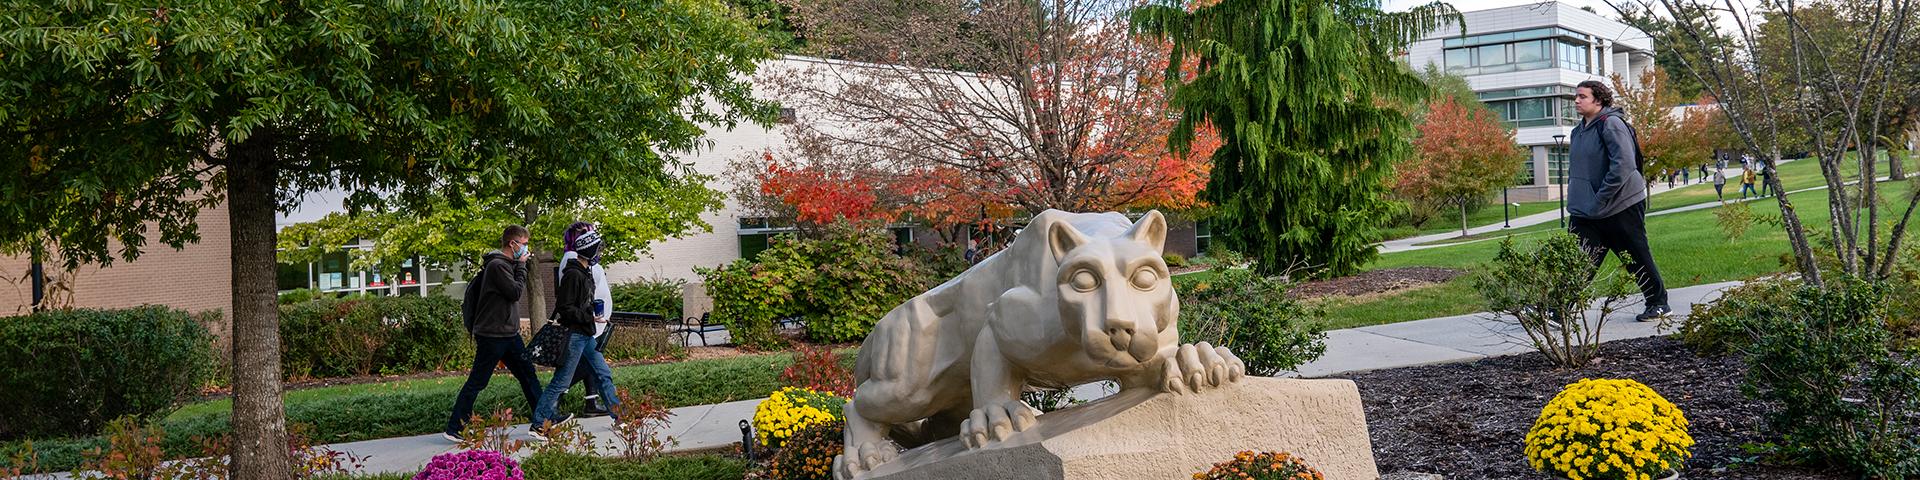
x: 1145, y: 278
x: 1085, y: 281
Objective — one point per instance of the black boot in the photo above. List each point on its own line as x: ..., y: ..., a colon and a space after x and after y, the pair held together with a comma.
x: 595, y: 407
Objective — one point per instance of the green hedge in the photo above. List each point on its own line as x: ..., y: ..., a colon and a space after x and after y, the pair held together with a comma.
x: 69, y: 372
x: 337, y: 337
x: 660, y: 296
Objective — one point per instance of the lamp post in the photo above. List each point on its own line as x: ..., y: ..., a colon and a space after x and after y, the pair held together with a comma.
x: 1506, y: 208
x: 1560, y: 144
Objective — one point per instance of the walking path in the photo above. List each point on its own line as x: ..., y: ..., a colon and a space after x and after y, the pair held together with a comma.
x: 1414, y: 243
x: 1421, y: 342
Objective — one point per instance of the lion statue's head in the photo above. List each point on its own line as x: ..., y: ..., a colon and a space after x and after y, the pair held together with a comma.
x: 1116, y: 293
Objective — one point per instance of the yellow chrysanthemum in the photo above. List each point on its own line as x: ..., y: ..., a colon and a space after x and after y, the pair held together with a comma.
x: 1608, y: 430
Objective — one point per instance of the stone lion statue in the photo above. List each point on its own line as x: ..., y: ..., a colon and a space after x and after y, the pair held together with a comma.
x: 1076, y: 298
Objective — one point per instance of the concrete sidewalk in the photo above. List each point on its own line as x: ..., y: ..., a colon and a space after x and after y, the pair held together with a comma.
x: 1414, y: 243
x: 1420, y: 342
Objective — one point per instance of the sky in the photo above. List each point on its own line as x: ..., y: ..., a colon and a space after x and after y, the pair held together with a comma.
x: 1600, y: 6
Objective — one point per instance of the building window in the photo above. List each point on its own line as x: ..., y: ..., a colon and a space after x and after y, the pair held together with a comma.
x: 1573, y: 56
x: 758, y: 233
x: 1202, y: 237
x: 1534, y: 112
x: 1526, y: 173
x: 1535, y: 49
x: 1556, y: 165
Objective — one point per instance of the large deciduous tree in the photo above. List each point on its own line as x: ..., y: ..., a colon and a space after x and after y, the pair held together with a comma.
x: 944, y: 109
x: 1464, y: 153
x: 1308, y: 97
x: 1669, y: 140
x: 126, y: 118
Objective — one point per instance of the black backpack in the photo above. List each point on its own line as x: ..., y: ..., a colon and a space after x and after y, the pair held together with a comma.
x: 470, y: 302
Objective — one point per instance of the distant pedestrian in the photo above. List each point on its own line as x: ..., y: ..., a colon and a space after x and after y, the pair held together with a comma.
x: 1746, y: 183
x: 1606, y: 195
x: 1703, y: 173
x: 1720, y: 184
x: 1766, y: 181
x: 488, y: 312
x: 1684, y: 172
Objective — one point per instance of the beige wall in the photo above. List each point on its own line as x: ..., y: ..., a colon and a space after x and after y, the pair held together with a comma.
x: 196, y: 278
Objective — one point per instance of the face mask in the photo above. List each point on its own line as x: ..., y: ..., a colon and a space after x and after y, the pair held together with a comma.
x: 521, y: 252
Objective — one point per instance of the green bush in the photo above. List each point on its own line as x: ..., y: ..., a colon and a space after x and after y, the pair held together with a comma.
x: 296, y: 296
x: 1547, y: 289
x: 858, y: 279
x: 556, y: 466
x: 73, y: 371
x: 639, y: 343
x: 1843, y: 397
x: 941, y: 263
x: 335, y: 337
x: 1174, y: 260
x: 841, y: 282
x: 1728, y: 324
x: 655, y: 295
x: 1251, y: 315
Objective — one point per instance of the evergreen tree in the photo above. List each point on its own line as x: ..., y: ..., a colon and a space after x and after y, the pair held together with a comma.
x: 1310, y: 102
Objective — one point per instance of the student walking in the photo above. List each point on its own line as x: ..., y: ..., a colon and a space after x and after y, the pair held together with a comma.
x: 1606, y: 195
x: 573, y: 307
x: 1720, y: 183
x: 602, y: 331
x: 1746, y: 183
x: 488, y: 311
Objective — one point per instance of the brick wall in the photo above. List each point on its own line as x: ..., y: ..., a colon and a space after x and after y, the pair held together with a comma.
x: 196, y: 278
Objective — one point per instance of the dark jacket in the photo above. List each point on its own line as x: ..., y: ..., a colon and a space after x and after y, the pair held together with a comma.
x: 573, y: 299
x: 1604, y: 176
x: 501, y: 281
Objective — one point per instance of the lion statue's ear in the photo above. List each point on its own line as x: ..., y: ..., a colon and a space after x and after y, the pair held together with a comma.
x: 1151, y: 230
x: 1063, y: 238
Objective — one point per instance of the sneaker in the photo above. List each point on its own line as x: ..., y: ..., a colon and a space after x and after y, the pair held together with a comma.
x: 1655, y: 312
x: 564, y: 418
x: 451, y: 436
x: 534, y: 432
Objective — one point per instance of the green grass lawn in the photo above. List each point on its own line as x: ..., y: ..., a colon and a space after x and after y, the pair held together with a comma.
x: 1795, y: 175
x: 1487, y: 215
x: 1690, y: 248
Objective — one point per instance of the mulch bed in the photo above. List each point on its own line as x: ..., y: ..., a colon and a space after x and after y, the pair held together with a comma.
x: 1374, y: 281
x: 1468, y: 420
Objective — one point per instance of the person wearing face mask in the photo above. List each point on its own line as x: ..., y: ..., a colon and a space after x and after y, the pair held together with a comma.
x: 602, y: 307
x: 573, y: 306
x: 488, y: 313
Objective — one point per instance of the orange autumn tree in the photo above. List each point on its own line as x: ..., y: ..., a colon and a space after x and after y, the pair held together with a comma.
x: 955, y: 115
x: 1464, y: 154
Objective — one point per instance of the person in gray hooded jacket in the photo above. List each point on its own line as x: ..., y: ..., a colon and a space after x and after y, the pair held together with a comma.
x: 1606, y: 193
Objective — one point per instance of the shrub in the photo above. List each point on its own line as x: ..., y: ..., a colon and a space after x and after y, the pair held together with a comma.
x: 639, y: 343
x: 1250, y: 465
x: 1251, y: 315
x: 1609, y: 429
x: 940, y: 263
x: 808, y: 455
x: 70, y: 372
x: 1547, y: 290
x: 842, y: 282
x: 857, y: 280
x: 749, y: 294
x: 490, y: 432
x: 336, y: 337
x: 1174, y: 260
x: 296, y: 296
x: 1843, y: 397
x: 587, y: 467
x: 471, y: 464
x: 817, y: 368
x: 640, y: 421
x: 1727, y: 324
x: 133, y: 451
x: 789, y: 410
x: 656, y: 295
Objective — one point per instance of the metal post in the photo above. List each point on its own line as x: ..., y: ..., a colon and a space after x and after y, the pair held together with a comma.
x: 1506, y: 208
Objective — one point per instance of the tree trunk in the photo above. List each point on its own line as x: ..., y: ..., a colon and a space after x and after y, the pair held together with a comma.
x: 1463, y: 219
x: 259, y: 419
x: 1898, y: 170
x: 536, y: 303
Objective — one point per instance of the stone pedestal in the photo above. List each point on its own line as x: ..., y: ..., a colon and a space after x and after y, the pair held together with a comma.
x: 1145, y: 435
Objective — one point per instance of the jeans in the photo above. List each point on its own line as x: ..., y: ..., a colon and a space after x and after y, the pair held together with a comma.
x: 579, y: 347
x: 583, y: 373
x: 1746, y: 188
x: 1624, y: 232
x: 487, y: 352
